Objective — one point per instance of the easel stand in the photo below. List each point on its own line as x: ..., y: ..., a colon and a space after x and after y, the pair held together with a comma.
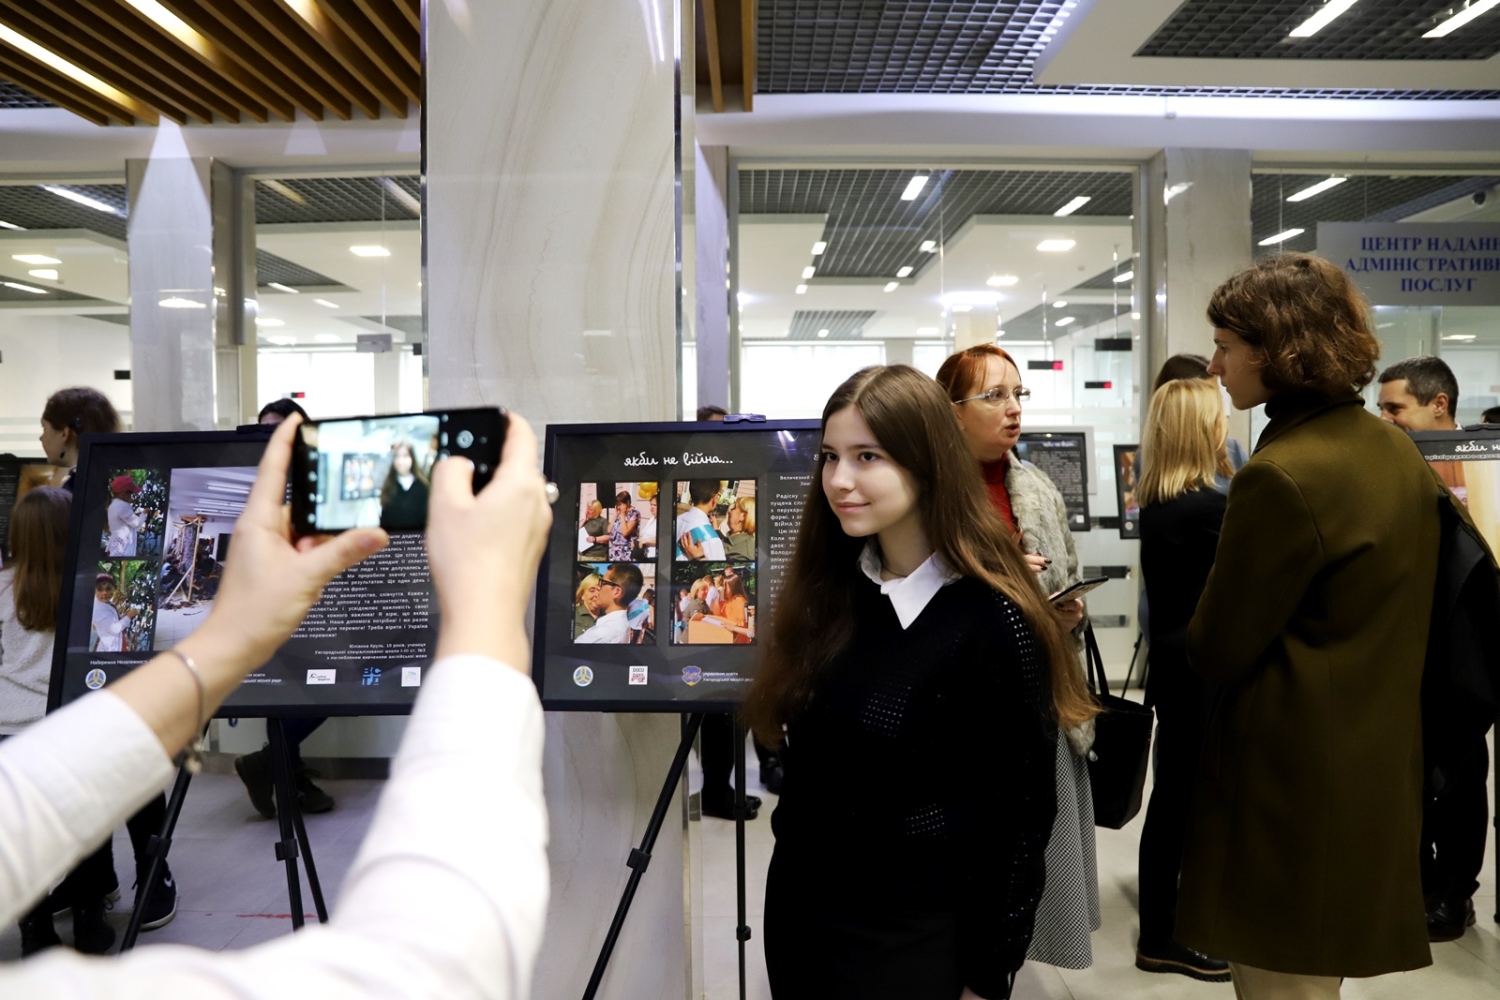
x: 640, y: 857
x: 293, y: 833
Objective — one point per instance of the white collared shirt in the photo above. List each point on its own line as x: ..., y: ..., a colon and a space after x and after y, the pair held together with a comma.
x: 613, y: 627
x: 908, y: 594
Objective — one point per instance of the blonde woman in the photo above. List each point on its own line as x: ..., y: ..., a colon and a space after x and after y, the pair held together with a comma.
x: 585, y: 604
x: 1182, y: 453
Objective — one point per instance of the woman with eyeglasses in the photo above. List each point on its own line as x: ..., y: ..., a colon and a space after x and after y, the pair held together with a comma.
x: 984, y: 385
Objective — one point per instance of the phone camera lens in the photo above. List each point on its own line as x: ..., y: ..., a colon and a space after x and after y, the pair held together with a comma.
x: 484, y: 468
x: 465, y: 438
x: 443, y: 439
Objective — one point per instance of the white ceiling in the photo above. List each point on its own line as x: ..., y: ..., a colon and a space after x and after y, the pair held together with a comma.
x: 773, y: 253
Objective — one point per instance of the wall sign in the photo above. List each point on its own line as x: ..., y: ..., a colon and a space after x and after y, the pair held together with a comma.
x: 1418, y: 263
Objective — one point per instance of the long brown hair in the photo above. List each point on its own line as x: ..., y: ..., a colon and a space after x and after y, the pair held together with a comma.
x: 814, y: 617
x: 38, y: 538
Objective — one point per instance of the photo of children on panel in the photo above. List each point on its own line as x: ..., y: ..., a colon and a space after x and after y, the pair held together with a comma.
x: 713, y: 603
x: 715, y: 520
x: 615, y: 603
x: 133, y: 518
x: 617, y: 522
x: 1125, y: 479
x: 205, y: 503
x: 124, y: 607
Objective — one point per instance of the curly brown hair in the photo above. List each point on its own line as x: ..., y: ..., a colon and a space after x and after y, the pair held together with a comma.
x: 1307, y: 318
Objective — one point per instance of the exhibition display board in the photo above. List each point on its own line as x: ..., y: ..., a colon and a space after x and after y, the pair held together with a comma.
x: 668, y: 547
x: 1063, y: 456
x: 1468, y: 461
x: 151, y: 525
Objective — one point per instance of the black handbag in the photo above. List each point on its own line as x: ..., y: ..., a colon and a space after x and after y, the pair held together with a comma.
x: 1122, y: 746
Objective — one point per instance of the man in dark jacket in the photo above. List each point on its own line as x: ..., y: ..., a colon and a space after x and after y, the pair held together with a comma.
x: 1421, y: 394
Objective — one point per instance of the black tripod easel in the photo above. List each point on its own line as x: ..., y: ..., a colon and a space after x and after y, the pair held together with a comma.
x: 640, y: 857
x: 293, y: 833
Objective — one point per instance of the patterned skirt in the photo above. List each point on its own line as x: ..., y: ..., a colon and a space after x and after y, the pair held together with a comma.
x: 1069, y: 909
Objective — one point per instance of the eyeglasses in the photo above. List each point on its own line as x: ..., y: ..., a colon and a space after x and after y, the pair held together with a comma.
x: 1000, y: 395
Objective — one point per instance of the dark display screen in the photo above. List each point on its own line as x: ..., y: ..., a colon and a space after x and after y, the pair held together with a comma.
x: 668, y: 546
x: 151, y: 525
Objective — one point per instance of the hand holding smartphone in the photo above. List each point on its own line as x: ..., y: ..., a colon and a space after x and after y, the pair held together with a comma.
x: 361, y: 472
x: 1078, y: 589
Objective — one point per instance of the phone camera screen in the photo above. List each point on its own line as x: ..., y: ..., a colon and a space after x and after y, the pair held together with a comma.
x: 373, y: 472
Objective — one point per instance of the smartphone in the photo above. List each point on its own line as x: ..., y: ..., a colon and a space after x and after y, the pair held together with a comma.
x: 360, y: 472
x: 1078, y: 589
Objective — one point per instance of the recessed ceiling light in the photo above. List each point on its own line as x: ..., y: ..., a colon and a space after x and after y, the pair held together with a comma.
x: 1060, y: 304
x: 1459, y: 336
x: 819, y: 247
x: 801, y: 289
x: 1319, y: 21
x: 11, y: 225
x: 178, y: 302
x: 1281, y: 237
x: 327, y: 338
x: 49, y: 273
x: 904, y: 272
x: 928, y: 246
x: 1074, y: 205
x: 284, y: 288
x: 914, y: 187
x: 370, y: 251
x: 823, y: 332
x: 34, y: 258
x: 1056, y: 246
x: 282, y: 341
x: 891, y: 286
x: 268, y: 321
x: 1123, y: 277
x: 326, y: 304
x: 295, y: 197
x: 1063, y: 322
x: 808, y: 272
x: 1135, y: 315
x: 80, y: 199
x: 1462, y: 18
x: 24, y: 288
x: 1321, y: 186
x: 1002, y: 280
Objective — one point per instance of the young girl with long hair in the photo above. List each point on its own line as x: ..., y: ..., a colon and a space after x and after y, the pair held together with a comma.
x: 29, y: 588
x: 1182, y: 509
x: 917, y: 677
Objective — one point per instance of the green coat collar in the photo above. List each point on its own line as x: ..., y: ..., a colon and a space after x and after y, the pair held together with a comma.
x: 1293, y: 409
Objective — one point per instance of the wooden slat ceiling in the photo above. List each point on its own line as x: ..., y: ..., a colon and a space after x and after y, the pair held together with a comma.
x: 216, y: 60
x: 726, y: 51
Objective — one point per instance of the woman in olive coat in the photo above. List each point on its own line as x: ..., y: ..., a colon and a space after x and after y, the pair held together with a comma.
x: 1302, y: 860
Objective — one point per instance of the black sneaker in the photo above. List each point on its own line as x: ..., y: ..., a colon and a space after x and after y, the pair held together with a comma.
x: 91, y: 935
x: 60, y: 902
x: 38, y: 934
x: 254, y: 770
x: 1179, y: 958
x: 160, y: 904
x: 314, y: 799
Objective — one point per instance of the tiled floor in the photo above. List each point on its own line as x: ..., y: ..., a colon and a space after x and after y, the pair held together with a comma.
x: 233, y: 894
x: 231, y: 889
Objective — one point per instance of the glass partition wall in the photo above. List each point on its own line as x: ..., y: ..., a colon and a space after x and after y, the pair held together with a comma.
x: 843, y: 266
x: 1291, y: 202
x: 339, y: 289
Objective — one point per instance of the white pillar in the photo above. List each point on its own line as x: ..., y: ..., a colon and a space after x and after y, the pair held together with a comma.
x: 550, y: 241
x: 172, y: 303
x: 711, y: 294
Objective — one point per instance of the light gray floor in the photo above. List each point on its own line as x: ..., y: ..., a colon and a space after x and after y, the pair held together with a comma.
x: 233, y: 895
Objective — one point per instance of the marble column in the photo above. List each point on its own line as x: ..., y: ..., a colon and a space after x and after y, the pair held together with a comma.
x: 550, y: 280
x: 1199, y: 220
x: 711, y: 270
x: 172, y: 303
x: 235, y: 296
